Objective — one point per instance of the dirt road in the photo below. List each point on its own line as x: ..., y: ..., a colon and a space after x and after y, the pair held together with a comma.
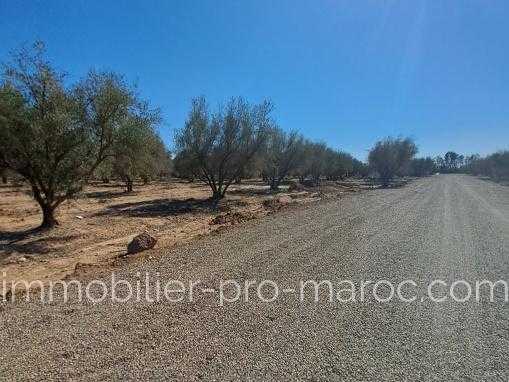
x: 446, y: 227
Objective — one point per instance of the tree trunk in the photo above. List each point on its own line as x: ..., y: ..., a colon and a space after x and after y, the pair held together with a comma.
x: 48, y: 208
x: 48, y: 217
x: 4, y: 179
x: 386, y: 181
x: 274, y: 184
x: 129, y: 185
x: 217, y: 195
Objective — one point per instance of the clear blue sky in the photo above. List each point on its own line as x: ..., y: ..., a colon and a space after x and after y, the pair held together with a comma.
x: 345, y: 72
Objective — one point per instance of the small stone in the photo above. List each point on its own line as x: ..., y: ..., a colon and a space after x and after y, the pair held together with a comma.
x: 284, y: 200
x: 231, y: 218
x: 16, y: 259
x: 295, y: 186
x: 141, y: 243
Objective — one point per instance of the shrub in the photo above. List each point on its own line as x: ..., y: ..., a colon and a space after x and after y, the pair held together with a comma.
x: 391, y: 157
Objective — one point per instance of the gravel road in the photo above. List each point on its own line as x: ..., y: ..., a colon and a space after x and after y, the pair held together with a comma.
x: 445, y: 227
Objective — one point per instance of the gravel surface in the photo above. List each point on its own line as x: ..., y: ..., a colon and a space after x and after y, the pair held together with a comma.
x: 446, y: 227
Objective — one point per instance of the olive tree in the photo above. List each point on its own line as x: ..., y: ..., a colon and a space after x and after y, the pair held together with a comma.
x: 338, y: 164
x: 495, y: 166
x: 3, y: 175
x: 136, y: 148
x: 316, y: 161
x: 391, y: 157
x: 185, y: 166
x: 359, y: 168
x: 498, y: 165
x: 313, y: 162
x: 160, y: 161
x: 104, y: 171
x: 219, y: 146
x: 54, y: 135
x: 422, y: 166
x: 281, y: 155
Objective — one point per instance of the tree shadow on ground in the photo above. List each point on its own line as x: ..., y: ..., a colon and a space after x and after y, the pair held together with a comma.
x: 107, y: 194
x: 112, y: 184
x: 15, y: 236
x: 159, y: 208
x: 252, y: 191
x: 10, y: 242
x: 31, y: 241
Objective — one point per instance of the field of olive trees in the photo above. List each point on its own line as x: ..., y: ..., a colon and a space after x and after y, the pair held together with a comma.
x: 57, y: 136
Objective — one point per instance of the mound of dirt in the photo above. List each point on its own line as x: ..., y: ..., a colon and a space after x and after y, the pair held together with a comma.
x: 231, y: 218
x: 295, y: 186
x: 84, y: 269
x: 278, y: 203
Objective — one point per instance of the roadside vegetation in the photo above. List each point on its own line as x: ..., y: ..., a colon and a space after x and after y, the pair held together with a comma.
x: 392, y: 157
x: 57, y: 137
x: 494, y: 166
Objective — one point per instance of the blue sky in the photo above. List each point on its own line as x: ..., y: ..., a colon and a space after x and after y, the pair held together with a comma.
x: 344, y: 72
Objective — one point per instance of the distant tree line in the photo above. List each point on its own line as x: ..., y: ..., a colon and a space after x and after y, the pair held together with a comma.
x: 241, y: 140
x: 495, y: 166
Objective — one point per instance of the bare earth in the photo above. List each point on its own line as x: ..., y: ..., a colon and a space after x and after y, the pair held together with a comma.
x: 96, y: 228
x: 445, y: 227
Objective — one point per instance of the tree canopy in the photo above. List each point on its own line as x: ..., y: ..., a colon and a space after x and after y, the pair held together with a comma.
x: 55, y: 135
x: 391, y: 157
x: 219, y: 146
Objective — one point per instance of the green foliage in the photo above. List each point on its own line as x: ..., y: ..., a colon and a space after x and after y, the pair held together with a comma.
x: 338, y: 164
x: 137, y: 148
x: 312, y: 164
x: 318, y: 160
x: 185, y: 166
x: 54, y: 135
x: 160, y: 164
x: 218, y: 147
x: 280, y: 155
x: 359, y: 168
x: 422, y: 167
x: 495, y: 166
x: 452, y: 162
x: 391, y: 157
